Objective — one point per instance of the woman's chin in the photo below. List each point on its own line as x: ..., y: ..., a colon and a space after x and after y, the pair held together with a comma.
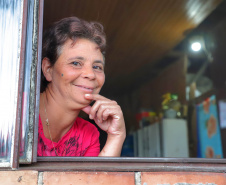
x: 86, y: 103
x: 80, y: 103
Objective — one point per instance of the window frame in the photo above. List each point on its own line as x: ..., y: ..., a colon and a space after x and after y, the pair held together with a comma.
x: 30, y: 67
x: 101, y: 163
x: 34, y: 80
x: 112, y: 164
x: 39, y: 21
x: 15, y: 158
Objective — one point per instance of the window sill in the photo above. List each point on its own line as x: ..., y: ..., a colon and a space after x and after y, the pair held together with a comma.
x: 110, y: 164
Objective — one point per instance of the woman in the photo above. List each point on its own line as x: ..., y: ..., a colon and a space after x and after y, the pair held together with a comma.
x: 72, y: 76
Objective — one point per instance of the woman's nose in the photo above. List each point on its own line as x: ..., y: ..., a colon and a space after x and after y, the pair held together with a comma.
x: 88, y: 72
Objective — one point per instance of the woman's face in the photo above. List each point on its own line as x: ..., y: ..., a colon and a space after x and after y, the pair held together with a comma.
x: 79, y: 70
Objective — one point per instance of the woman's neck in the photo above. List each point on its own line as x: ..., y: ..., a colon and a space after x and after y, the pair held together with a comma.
x: 60, y: 117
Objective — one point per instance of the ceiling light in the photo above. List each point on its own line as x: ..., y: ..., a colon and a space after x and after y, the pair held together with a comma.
x: 196, y: 46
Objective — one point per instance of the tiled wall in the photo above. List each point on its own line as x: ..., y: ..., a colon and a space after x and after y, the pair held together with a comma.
x: 111, y: 178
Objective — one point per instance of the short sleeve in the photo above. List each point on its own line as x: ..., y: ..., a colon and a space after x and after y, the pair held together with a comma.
x: 94, y: 147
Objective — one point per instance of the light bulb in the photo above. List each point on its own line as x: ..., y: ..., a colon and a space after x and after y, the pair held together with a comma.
x: 196, y: 46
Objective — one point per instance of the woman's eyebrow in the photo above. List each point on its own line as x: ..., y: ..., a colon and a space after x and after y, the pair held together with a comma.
x: 80, y: 58
x: 99, y: 61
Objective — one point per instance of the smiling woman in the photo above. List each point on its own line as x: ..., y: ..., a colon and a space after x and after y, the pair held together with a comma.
x: 72, y: 77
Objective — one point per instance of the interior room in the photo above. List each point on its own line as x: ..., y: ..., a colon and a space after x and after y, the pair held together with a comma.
x: 172, y: 96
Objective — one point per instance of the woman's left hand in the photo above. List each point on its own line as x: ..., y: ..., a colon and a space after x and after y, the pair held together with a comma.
x: 107, y: 114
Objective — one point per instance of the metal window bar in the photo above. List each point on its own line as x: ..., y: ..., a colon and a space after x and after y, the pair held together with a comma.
x: 39, y: 23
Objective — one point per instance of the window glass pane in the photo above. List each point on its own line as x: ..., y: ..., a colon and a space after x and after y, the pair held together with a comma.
x: 10, y: 37
x: 26, y: 127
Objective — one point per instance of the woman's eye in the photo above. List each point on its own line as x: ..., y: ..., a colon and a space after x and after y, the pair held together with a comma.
x: 76, y: 63
x: 100, y: 68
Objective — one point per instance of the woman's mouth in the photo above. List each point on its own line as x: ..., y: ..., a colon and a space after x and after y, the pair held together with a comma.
x: 85, y: 88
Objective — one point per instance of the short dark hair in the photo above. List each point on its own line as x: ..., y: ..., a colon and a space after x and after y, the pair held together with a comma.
x: 69, y: 28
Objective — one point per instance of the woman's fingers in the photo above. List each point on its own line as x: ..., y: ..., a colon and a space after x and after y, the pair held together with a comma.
x: 100, y: 110
x: 107, y: 114
x: 87, y: 109
x: 114, y: 112
x: 99, y: 106
x: 95, y: 97
x: 106, y: 110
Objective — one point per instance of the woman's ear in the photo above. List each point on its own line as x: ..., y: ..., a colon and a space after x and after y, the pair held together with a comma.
x: 47, y: 69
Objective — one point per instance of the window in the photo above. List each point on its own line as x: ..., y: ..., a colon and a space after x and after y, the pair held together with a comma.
x: 24, y: 96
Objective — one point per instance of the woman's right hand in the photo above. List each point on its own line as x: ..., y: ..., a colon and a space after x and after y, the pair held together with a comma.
x: 109, y: 117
